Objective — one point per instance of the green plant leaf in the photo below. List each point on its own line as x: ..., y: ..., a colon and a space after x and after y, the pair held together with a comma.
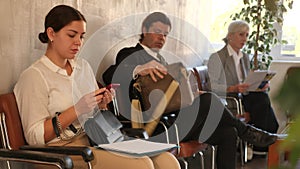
x: 271, y: 5
x: 246, y: 1
x: 261, y: 15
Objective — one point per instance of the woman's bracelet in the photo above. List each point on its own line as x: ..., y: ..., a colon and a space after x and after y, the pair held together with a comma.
x: 64, y: 135
x: 55, y: 128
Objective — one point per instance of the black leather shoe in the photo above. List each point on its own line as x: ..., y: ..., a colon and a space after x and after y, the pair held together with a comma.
x: 258, y: 137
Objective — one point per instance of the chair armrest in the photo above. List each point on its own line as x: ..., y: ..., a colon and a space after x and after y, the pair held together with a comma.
x: 236, y: 99
x: 85, y: 152
x: 236, y: 95
x: 59, y: 160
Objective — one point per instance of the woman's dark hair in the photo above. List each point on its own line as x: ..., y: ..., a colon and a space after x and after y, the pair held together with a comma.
x: 154, y: 17
x: 58, y: 17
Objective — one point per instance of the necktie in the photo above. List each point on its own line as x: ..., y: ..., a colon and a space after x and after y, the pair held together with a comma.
x: 162, y: 59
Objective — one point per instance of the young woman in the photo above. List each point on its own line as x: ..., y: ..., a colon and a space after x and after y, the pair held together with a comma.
x: 60, y: 88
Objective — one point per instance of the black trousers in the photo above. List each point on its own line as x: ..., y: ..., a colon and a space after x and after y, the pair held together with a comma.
x: 261, y: 113
x: 209, y: 121
x: 213, y: 115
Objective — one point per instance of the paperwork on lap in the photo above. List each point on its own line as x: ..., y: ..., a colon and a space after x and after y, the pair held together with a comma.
x: 138, y: 147
x: 258, y: 79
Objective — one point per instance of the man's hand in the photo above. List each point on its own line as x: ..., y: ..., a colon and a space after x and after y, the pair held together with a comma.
x: 152, y: 68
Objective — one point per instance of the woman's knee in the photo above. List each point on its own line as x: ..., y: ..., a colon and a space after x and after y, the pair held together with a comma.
x: 106, y: 159
x: 165, y: 160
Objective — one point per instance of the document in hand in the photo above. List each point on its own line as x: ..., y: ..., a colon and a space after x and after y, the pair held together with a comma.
x: 258, y: 79
x: 138, y: 147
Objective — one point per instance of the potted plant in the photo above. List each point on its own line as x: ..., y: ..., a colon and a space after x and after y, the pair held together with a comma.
x: 288, y: 98
x: 262, y: 15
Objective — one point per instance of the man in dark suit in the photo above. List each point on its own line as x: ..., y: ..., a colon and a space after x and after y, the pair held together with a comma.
x: 206, y: 119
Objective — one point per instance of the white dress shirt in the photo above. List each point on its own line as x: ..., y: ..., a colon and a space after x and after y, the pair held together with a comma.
x: 151, y: 53
x: 44, y: 89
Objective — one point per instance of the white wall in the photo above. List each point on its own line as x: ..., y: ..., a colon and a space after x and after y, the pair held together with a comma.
x: 281, y: 68
x: 22, y: 20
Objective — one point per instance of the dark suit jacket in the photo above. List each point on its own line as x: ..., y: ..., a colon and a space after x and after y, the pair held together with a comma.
x: 127, y: 59
x: 222, y: 71
x: 122, y: 72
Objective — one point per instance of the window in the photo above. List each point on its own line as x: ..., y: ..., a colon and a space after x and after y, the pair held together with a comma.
x: 220, y: 19
x: 291, y: 32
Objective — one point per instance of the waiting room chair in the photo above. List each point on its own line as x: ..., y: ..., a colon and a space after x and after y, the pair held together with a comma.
x: 185, y: 150
x: 231, y: 100
x: 289, y: 72
x: 191, y: 149
x: 14, y: 146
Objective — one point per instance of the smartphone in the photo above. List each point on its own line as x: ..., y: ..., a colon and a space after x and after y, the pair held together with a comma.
x: 112, y: 86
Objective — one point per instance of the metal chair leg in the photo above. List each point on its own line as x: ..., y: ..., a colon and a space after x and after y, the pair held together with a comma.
x: 242, y: 151
x: 89, y: 165
x: 201, y: 159
x: 213, y: 154
x: 245, y: 152
x: 184, y: 162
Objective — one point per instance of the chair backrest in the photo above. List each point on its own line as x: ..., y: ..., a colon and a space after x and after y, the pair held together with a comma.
x: 11, y: 126
x: 201, y: 74
x: 291, y: 70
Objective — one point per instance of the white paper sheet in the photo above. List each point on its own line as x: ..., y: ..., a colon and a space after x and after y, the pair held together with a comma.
x: 138, y: 147
x: 254, y: 79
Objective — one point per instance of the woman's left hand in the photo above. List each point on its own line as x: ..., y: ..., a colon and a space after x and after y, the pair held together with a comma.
x: 107, y: 98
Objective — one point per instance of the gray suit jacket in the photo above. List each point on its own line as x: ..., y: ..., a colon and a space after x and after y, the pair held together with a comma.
x: 222, y: 71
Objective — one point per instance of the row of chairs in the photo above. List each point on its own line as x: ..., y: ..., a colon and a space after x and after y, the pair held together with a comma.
x: 15, y: 148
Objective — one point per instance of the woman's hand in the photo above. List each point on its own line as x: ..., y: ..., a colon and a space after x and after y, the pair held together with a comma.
x: 239, y: 88
x: 89, y: 101
x: 108, y: 96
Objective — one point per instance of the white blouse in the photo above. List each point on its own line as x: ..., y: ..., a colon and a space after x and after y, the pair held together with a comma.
x: 44, y: 89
